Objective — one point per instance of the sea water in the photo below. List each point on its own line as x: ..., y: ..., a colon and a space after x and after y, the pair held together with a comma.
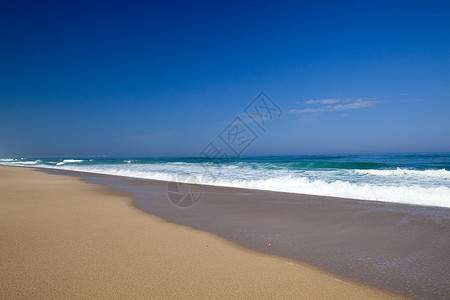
x: 419, y: 178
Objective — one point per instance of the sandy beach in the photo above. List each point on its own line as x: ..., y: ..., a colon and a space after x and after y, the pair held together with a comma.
x: 64, y: 238
x: 395, y: 247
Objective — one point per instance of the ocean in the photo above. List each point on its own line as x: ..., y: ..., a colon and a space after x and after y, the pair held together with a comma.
x: 419, y: 178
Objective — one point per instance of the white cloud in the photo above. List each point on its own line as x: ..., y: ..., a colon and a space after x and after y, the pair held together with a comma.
x: 335, y: 105
x: 324, y: 101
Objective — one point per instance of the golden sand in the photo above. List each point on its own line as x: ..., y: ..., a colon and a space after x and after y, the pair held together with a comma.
x: 63, y: 238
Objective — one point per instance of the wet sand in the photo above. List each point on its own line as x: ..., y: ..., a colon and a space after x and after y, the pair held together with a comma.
x: 64, y: 238
x: 396, y: 247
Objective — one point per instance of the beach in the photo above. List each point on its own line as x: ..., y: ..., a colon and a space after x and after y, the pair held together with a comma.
x: 395, y: 247
x: 65, y: 238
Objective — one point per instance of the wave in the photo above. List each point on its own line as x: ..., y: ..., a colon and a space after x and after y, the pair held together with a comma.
x: 418, y: 183
x: 442, y: 173
x: 7, y: 159
x: 129, y: 173
x: 32, y: 162
x: 66, y: 161
x: 411, y: 194
x: 334, y: 165
x: 432, y: 196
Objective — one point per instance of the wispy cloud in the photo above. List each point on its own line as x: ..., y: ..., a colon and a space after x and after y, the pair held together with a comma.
x: 324, y: 101
x: 335, y: 104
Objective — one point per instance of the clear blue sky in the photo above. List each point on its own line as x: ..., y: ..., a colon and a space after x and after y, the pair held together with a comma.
x: 84, y: 78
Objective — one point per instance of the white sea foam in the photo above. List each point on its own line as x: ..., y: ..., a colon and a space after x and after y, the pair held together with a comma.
x: 69, y: 161
x: 433, y: 196
x: 32, y: 162
x: 442, y: 173
x: 6, y: 159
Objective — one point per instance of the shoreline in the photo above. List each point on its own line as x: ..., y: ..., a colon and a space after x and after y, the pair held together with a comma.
x: 65, y: 238
x: 396, y: 247
x: 407, y: 184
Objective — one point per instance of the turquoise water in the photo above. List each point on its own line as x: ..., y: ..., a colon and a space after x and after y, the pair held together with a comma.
x: 422, y: 179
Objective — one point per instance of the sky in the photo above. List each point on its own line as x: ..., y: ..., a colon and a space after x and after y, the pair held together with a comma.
x: 131, y: 78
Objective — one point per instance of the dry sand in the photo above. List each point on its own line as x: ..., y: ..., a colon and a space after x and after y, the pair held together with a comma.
x: 64, y: 238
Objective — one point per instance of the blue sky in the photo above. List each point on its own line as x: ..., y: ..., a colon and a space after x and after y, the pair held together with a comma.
x: 164, y: 79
